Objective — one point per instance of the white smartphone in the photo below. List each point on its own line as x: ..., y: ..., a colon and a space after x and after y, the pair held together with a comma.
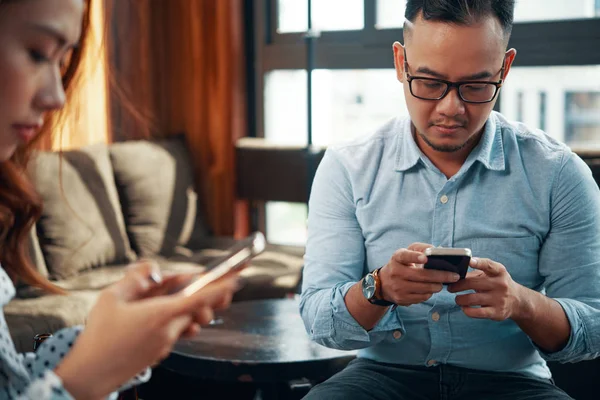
x: 236, y: 260
x: 448, y: 259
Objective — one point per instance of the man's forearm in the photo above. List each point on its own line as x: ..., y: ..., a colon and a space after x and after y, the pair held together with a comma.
x: 543, y: 320
x: 365, y: 313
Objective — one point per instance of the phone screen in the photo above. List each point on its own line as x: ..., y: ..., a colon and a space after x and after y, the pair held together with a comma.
x: 236, y: 260
x: 449, y: 259
x: 452, y: 263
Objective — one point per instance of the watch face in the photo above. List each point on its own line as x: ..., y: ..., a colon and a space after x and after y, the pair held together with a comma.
x: 368, y: 286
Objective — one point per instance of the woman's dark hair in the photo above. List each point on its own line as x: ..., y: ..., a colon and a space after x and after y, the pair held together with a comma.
x: 20, y: 205
x: 462, y: 12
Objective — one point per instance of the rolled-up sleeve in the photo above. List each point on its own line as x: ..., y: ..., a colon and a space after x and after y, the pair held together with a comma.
x: 334, y: 262
x: 570, y: 259
x: 45, y: 385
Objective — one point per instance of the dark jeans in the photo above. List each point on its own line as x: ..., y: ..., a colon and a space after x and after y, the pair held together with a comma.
x: 366, y: 379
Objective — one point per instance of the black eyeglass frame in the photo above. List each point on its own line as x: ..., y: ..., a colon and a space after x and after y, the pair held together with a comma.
x: 457, y: 85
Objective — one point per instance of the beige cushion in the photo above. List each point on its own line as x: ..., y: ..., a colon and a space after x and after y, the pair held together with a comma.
x: 82, y: 224
x: 273, y: 274
x: 100, y: 278
x: 159, y: 200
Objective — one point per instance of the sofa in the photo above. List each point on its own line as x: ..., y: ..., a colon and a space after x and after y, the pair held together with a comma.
x: 106, y: 206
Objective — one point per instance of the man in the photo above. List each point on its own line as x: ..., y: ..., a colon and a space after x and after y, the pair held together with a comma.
x: 455, y: 174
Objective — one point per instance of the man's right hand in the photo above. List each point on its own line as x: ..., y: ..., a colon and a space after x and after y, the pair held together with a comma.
x: 404, y: 281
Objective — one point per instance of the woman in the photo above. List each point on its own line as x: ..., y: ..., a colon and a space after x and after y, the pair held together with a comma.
x: 130, y: 327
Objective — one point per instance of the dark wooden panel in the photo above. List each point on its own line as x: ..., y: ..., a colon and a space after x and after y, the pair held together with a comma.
x: 570, y: 42
x: 268, y: 172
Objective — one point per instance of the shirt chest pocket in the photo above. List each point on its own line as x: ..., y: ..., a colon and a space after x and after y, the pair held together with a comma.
x: 519, y: 255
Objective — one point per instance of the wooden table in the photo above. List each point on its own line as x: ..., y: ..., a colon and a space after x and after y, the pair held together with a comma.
x: 262, y: 341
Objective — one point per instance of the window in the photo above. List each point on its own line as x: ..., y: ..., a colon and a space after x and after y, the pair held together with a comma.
x: 582, y: 119
x: 519, y: 106
x: 568, y: 101
x: 286, y: 223
x: 353, y: 103
x: 347, y: 104
x: 545, y: 10
x: 327, y: 15
x: 285, y: 106
x: 554, y: 84
x: 390, y: 13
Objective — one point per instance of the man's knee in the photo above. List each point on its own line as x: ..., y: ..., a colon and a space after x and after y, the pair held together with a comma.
x: 360, y: 380
x: 333, y: 389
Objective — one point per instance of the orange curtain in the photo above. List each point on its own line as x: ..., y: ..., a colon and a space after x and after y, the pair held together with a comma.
x: 180, y: 65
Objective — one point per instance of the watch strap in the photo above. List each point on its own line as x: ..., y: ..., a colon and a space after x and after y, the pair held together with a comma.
x: 377, y: 299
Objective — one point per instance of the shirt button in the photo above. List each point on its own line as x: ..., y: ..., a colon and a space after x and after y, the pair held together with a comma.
x: 444, y: 199
x: 435, y: 316
x: 397, y: 334
x: 431, y: 362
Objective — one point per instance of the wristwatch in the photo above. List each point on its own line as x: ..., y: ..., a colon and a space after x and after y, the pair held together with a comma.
x: 371, y: 288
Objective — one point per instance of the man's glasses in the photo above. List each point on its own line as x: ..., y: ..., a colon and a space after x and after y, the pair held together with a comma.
x: 469, y: 91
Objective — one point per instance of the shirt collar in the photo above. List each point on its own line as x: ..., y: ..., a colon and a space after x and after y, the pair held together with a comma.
x: 489, y: 151
x: 407, y: 153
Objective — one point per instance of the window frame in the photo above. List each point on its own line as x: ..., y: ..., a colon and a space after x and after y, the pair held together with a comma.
x: 539, y: 43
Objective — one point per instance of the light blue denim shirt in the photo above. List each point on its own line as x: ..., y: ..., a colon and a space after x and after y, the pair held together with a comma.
x: 521, y: 199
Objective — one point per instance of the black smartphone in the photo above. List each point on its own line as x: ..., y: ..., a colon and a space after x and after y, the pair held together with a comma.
x: 235, y: 260
x: 448, y: 259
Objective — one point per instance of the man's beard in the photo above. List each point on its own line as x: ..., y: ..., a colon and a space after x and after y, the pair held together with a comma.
x: 447, y: 148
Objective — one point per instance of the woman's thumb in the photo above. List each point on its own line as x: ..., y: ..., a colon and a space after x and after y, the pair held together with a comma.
x: 139, y: 279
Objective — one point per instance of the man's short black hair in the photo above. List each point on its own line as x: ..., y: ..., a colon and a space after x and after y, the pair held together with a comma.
x: 462, y: 12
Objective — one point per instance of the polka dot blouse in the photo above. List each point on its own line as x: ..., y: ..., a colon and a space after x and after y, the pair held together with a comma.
x: 30, y: 376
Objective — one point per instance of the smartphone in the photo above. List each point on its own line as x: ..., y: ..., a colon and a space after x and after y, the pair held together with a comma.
x: 448, y: 259
x: 235, y: 260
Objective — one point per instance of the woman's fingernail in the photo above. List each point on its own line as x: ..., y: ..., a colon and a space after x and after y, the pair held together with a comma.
x: 155, y: 277
x: 422, y: 258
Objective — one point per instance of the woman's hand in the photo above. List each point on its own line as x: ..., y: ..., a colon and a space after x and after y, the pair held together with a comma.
x: 203, y: 315
x: 128, y: 331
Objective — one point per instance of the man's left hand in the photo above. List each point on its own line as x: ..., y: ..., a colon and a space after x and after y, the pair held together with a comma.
x: 497, y: 296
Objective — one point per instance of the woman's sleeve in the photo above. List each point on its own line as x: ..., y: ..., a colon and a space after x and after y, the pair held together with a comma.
x: 45, y: 385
